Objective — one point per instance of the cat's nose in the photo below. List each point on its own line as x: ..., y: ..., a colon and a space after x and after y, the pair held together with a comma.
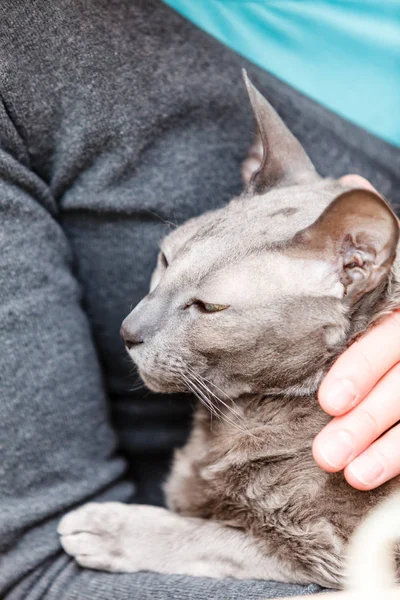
x: 130, y: 337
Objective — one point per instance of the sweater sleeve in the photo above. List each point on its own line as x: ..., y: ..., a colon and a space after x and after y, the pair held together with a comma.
x: 56, y: 445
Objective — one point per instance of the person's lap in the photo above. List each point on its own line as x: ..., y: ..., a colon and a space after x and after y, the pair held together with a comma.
x: 63, y: 580
x: 89, y: 222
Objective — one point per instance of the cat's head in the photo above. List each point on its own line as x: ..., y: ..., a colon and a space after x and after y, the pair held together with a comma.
x: 258, y: 296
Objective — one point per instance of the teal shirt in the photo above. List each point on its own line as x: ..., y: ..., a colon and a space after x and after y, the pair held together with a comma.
x: 345, y: 54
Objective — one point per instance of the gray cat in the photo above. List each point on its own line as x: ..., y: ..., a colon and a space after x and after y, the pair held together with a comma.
x: 249, y: 306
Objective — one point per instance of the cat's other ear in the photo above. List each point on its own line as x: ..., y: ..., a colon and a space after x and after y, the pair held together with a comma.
x: 358, y: 234
x: 284, y: 161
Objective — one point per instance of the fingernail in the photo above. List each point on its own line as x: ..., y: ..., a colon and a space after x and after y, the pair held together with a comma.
x: 367, y: 469
x: 340, y: 395
x: 336, y: 448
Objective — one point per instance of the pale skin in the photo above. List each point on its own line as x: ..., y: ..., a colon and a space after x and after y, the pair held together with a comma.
x: 362, y: 393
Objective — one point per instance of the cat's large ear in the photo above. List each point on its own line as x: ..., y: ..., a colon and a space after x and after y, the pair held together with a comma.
x: 284, y: 161
x: 358, y: 234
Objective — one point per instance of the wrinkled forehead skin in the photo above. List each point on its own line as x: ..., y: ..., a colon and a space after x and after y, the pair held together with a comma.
x: 243, y: 232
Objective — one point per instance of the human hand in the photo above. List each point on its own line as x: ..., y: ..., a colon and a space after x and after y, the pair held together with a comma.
x: 362, y: 393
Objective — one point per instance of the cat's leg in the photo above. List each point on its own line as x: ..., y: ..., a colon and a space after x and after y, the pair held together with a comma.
x: 128, y: 538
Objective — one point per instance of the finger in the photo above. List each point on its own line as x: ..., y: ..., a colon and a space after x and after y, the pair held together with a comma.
x: 346, y: 437
x: 378, y: 464
x: 361, y: 366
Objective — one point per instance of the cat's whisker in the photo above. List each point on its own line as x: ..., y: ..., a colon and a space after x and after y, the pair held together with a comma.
x: 199, y: 394
x: 223, y: 416
x: 214, y: 410
x: 209, y: 391
x: 138, y: 383
x: 163, y: 220
x: 235, y: 413
x: 138, y: 386
x: 220, y: 390
x: 230, y: 408
x: 205, y: 389
x: 203, y: 381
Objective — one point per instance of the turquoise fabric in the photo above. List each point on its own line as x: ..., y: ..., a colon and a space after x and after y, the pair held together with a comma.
x: 345, y: 54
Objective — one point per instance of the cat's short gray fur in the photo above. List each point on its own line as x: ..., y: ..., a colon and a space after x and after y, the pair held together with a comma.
x: 295, y: 269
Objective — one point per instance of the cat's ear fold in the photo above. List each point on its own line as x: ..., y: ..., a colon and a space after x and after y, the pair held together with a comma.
x: 284, y: 161
x: 358, y: 234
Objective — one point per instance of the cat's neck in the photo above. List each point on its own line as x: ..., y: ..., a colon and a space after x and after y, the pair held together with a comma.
x: 272, y: 424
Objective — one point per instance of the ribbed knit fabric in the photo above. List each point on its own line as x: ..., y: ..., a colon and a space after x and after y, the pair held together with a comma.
x: 117, y: 117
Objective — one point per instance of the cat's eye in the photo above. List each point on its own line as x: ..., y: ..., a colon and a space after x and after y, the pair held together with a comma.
x: 207, y: 307
x: 163, y: 260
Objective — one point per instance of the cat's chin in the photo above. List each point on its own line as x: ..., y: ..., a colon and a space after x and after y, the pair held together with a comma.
x: 161, y: 387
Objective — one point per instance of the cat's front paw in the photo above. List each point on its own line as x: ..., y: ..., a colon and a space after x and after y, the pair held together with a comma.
x: 118, y: 537
x: 96, y: 536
